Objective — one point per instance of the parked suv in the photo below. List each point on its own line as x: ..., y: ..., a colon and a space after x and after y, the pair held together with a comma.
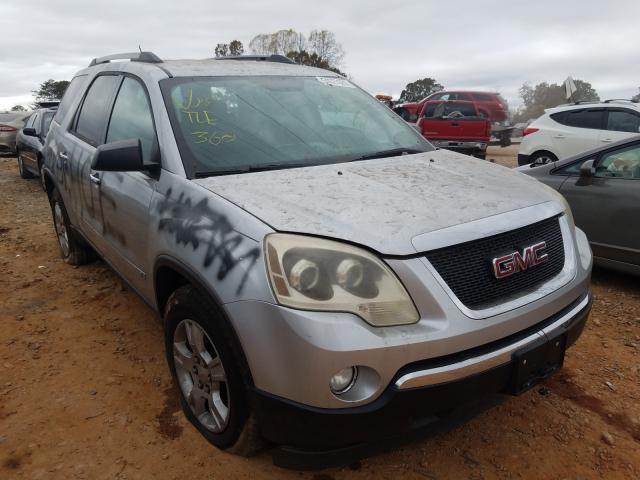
x: 569, y: 130
x: 324, y: 276
x: 490, y: 105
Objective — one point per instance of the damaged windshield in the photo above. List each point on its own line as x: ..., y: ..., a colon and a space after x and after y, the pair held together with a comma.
x: 237, y: 124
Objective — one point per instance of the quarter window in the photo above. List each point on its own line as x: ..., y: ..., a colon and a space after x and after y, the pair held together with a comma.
x: 132, y: 117
x: 621, y: 121
x: 29, y: 121
x: 571, y: 169
x: 35, y: 122
x: 92, y: 119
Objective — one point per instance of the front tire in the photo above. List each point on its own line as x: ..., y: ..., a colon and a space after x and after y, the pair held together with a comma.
x: 210, y: 373
x: 24, y: 173
x: 43, y: 182
x: 73, y: 249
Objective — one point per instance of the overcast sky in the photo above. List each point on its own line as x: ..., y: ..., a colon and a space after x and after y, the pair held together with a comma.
x: 488, y: 45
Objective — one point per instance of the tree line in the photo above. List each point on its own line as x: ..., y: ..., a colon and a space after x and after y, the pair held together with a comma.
x: 319, y: 49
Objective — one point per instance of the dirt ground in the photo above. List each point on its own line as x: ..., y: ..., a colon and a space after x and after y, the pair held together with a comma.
x: 85, y: 392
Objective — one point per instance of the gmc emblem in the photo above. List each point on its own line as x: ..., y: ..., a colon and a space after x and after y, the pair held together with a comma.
x: 515, y: 262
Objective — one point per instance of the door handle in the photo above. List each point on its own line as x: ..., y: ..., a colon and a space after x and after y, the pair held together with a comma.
x: 607, y: 140
x: 559, y: 136
x: 95, y: 178
x: 454, y: 124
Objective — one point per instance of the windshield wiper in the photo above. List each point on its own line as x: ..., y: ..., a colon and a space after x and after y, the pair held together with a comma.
x: 251, y: 168
x: 388, y: 153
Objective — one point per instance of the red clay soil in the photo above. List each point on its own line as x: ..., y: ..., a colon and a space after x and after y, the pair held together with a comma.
x: 85, y: 392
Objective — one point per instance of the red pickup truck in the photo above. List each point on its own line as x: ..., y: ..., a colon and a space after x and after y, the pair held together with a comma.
x: 455, y: 125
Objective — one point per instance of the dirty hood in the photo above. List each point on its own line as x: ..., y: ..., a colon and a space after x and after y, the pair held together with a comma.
x: 382, y: 203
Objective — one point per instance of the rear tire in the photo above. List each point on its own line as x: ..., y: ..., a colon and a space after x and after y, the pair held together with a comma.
x: 210, y: 373
x: 73, y: 248
x: 24, y: 173
x: 542, y: 158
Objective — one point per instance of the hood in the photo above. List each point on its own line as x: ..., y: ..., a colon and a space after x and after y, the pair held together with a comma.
x: 382, y: 203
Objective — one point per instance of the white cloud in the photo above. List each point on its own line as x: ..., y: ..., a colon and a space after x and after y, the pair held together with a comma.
x: 490, y: 45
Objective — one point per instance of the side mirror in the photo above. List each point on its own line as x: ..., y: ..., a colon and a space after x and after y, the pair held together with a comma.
x: 29, y: 132
x: 120, y: 156
x: 587, y: 169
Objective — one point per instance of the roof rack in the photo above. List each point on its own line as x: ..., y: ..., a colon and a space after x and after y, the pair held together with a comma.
x: 259, y: 58
x: 146, y: 57
x: 628, y: 100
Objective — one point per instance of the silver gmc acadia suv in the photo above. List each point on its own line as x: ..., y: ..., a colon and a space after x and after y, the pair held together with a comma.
x: 324, y: 275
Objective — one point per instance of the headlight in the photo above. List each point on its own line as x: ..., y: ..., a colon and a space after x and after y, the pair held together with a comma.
x: 315, y: 274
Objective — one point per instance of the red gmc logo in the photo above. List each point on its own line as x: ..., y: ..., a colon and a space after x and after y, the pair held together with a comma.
x: 515, y: 262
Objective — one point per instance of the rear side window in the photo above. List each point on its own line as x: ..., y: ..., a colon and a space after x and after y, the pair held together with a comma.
x: 581, y: 118
x: 92, y: 119
x: 482, y: 97
x: 70, y: 94
x: 438, y: 110
x: 132, y: 117
x: 622, y: 121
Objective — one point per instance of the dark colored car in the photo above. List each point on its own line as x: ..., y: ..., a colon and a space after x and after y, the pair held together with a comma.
x: 602, y: 187
x: 10, y: 123
x: 30, y: 142
x: 455, y: 125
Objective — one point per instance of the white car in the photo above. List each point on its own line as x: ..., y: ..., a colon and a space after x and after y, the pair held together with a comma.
x: 568, y: 130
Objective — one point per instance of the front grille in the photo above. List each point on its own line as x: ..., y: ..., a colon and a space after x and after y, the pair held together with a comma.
x: 467, y: 267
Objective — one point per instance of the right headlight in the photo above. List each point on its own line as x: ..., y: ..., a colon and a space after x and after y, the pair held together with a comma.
x: 312, y: 273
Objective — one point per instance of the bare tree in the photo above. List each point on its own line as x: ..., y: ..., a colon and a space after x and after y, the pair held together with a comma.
x: 261, y: 44
x: 324, y: 44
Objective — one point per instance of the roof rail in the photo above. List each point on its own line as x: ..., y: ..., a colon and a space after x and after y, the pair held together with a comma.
x: 146, y: 57
x: 259, y: 58
x: 629, y: 100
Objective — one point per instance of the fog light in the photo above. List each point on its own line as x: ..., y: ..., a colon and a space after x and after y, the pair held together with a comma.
x: 342, y: 381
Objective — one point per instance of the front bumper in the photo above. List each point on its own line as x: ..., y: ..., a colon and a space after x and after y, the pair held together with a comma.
x: 419, y: 395
x: 461, y: 146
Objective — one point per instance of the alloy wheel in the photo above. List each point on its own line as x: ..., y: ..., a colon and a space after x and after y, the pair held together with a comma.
x: 61, y: 229
x: 201, y: 376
